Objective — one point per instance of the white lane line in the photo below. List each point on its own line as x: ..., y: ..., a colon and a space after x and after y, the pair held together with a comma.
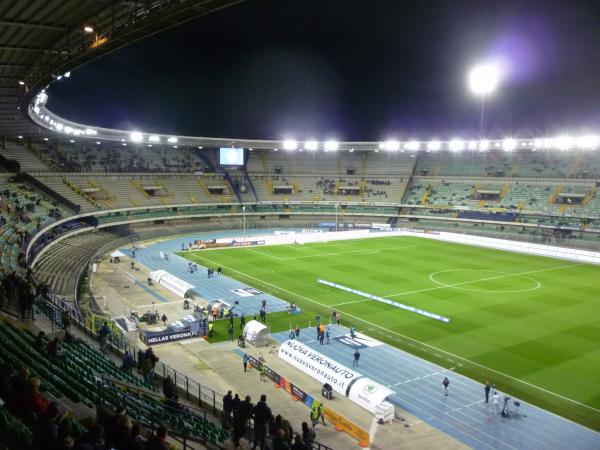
x: 547, y: 391
x: 423, y: 377
x: 159, y: 304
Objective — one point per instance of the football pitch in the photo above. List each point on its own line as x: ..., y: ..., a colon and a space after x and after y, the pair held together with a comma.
x: 529, y: 324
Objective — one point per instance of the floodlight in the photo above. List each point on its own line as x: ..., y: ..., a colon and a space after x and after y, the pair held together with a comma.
x: 124, y: 144
x: 509, y: 144
x: 67, y: 74
x: 88, y: 29
x: 434, y: 145
x: 90, y: 132
x: 154, y: 138
x: 563, y: 142
x: 172, y: 140
x: 20, y: 137
x: 59, y: 126
x: 59, y: 77
x: 290, y: 144
x: 311, y: 145
x: 45, y: 138
x: 68, y: 130
x: 21, y: 82
x: 77, y: 132
x: 456, y: 145
x: 483, y: 79
x: 484, y: 144
x: 391, y: 145
x: 351, y: 150
x: 331, y: 145
x: 149, y: 145
x: 174, y: 146
x: 472, y: 145
x: 97, y: 142
x: 71, y: 141
x: 136, y: 136
x: 200, y: 147
x: 412, y: 145
x: 591, y: 141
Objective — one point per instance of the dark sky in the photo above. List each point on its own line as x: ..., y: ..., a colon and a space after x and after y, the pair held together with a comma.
x: 350, y: 70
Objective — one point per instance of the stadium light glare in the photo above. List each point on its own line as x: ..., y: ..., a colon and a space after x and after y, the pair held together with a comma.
x: 175, y: 146
x: 59, y: 77
x: 172, y: 140
x: 90, y: 132
x: 484, y: 144
x: 71, y: 141
x: 88, y: 28
x: 98, y: 142
x: 77, y: 131
x: 200, y: 147
x: 124, y: 144
x: 412, y: 145
x: 538, y: 143
x: 331, y: 145
x: 434, y: 145
x: 136, y: 136
x: 20, y: 137
x: 154, y: 138
x: 45, y: 138
x: 67, y: 74
x: 290, y: 144
x: 391, y: 145
x: 59, y: 126
x: 68, y: 130
x: 588, y: 142
x: 472, y: 145
x: 563, y: 142
x: 311, y: 145
x: 484, y: 79
x: 21, y: 82
x: 456, y: 145
x: 509, y: 144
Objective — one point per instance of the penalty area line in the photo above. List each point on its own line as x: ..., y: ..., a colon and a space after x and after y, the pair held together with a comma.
x: 411, y: 339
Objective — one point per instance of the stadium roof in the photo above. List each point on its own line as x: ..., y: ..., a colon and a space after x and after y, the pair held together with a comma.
x: 41, y: 40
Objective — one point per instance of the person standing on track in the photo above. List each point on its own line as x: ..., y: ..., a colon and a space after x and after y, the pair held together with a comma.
x: 356, y: 358
x: 446, y: 383
x: 487, y: 389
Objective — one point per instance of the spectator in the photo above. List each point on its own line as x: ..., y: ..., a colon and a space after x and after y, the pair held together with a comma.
x: 298, y: 443
x: 45, y: 433
x: 128, y: 362
x: 151, y: 356
x: 279, y: 441
x: 104, y: 334
x: 159, y: 440
x: 66, y: 321
x: 135, y: 441
x: 240, y: 420
x: 308, y: 435
x: 41, y: 341
x: 262, y: 417
x: 33, y: 401
x: 168, y: 387
x: 227, y: 407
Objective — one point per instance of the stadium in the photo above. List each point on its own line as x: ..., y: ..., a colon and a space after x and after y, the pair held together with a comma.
x: 147, y: 274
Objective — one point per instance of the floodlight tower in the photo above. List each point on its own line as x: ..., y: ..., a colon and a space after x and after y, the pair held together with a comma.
x: 483, y: 81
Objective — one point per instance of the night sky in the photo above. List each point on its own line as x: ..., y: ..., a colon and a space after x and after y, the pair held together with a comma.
x: 350, y: 70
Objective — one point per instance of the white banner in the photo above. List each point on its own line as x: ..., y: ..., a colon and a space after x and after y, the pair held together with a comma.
x: 368, y: 394
x: 317, y: 365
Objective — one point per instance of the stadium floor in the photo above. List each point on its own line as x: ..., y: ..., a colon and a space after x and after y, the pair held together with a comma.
x: 463, y: 414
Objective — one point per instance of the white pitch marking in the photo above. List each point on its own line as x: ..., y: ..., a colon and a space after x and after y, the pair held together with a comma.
x: 424, y: 344
x: 372, y: 251
x: 481, y: 279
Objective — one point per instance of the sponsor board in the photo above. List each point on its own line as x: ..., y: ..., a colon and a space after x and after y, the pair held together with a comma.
x: 343, y: 424
x: 162, y: 338
x: 359, y: 341
x: 317, y: 365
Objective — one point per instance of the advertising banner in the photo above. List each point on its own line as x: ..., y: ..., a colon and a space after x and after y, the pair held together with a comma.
x: 368, y: 394
x: 317, y: 365
x: 343, y: 424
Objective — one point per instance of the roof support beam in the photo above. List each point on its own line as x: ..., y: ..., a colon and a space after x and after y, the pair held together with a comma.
x: 18, y: 48
x: 24, y: 24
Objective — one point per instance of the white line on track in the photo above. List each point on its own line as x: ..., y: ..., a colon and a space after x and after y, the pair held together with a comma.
x: 411, y: 339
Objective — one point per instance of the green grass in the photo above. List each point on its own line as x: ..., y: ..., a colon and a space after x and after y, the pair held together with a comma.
x: 535, y: 335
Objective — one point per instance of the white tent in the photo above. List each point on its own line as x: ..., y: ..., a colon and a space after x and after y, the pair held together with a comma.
x: 117, y: 254
x: 171, y: 282
x: 256, y: 333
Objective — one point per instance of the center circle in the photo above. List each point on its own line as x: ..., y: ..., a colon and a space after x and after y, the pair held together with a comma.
x: 465, y: 283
